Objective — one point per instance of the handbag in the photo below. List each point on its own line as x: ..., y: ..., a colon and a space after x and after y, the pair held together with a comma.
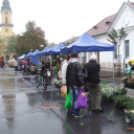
x: 81, y: 101
x: 63, y: 90
x: 86, y: 72
x: 68, y: 100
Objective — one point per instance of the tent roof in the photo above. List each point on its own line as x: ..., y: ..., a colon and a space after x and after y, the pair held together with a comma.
x: 57, y: 49
x: 51, y: 48
x: 44, y: 50
x: 22, y: 56
x: 35, y: 52
x: 86, y: 43
x: 29, y: 54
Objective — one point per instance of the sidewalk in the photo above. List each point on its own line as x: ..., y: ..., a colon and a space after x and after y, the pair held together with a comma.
x: 26, y: 111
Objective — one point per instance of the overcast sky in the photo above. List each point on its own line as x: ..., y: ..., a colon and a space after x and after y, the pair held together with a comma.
x: 61, y: 19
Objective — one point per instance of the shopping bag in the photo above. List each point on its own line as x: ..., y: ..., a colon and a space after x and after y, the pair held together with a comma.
x: 63, y: 90
x: 68, y: 100
x: 81, y: 101
x: 48, y: 73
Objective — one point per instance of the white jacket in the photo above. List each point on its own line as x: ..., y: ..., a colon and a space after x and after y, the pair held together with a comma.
x: 64, y: 69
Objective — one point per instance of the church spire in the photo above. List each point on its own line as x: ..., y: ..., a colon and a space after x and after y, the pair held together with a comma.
x: 6, y: 5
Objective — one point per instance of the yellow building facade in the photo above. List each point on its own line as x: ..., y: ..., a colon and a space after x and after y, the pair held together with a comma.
x: 6, y: 29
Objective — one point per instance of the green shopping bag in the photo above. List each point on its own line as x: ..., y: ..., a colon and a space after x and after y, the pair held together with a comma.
x: 68, y: 100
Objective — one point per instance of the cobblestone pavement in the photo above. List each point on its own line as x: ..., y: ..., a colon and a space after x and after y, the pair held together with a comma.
x: 26, y: 109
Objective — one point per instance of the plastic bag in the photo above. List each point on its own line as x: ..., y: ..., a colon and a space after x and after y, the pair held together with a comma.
x: 63, y: 90
x: 81, y: 100
x: 48, y: 73
x: 68, y: 100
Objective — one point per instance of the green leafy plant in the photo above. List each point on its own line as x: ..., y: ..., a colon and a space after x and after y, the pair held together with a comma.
x: 124, y: 102
x: 131, y: 84
x: 120, y: 91
x: 56, y: 69
x: 124, y: 80
x: 132, y: 116
x: 128, y: 115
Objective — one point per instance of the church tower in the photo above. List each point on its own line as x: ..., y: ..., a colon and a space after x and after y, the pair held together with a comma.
x: 6, y: 25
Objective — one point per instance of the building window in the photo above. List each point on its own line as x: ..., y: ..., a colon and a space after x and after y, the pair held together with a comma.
x: 6, y: 20
x: 115, y: 51
x: 126, y: 48
x: 6, y: 30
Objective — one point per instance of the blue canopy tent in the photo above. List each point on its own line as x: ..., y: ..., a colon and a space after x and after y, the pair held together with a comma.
x: 57, y: 49
x: 86, y: 43
x: 51, y: 48
x: 22, y: 56
x: 28, y: 55
x: 44, y: 50
x: 34, y: 57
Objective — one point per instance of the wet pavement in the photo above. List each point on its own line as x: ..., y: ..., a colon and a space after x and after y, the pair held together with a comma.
x: 26, y: 109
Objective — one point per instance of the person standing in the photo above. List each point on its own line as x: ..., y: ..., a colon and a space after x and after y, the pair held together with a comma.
x: 20, y: 64
x: 64, y: 65
x: 25, y: 66
x: 93, y: 82
x: 15, y: 65
x: 74, y: 80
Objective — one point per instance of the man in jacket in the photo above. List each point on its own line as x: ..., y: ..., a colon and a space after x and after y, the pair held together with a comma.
x: 74, y: 80
x: 94, y: 83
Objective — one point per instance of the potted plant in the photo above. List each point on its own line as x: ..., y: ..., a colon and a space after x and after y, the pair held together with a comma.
x: 124, y: 80
x: 127, y: 115
x: 132, y: 115
x: 131, y: 63
x: 130, y: 82
x: 120, y: 91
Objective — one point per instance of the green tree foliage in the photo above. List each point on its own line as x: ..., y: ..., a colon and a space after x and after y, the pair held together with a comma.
x: 32, y: 38
x: 117, y: 38
x: 12, y: 41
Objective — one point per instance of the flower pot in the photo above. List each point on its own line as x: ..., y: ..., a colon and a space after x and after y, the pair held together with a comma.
x: 126, y: 110
x: 128, y: 120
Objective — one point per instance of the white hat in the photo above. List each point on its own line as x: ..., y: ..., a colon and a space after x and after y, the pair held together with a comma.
x: 93, y: 56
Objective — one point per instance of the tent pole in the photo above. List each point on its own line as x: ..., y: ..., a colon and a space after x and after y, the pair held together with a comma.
x: 113, y: 68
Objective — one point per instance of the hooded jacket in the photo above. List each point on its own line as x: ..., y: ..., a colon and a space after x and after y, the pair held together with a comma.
x: 74, y: 75
x: 93, y: 69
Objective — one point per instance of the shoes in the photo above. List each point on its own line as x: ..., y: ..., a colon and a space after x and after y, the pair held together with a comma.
x: 99, y: 110
x: 78, y: 116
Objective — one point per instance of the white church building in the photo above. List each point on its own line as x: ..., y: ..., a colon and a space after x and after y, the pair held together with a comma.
x: 124, y: 18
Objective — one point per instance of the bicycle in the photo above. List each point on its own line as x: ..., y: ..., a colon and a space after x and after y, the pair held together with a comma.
x: 42, y: 80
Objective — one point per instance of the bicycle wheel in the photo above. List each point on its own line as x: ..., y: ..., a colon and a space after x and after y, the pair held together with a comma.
x: 44, y: 83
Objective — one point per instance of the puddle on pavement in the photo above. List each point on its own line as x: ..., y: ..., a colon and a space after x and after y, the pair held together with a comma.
x: 9, y: 102
x: 9, y: 73
x: 14, y: 83
x: 7, y: 83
